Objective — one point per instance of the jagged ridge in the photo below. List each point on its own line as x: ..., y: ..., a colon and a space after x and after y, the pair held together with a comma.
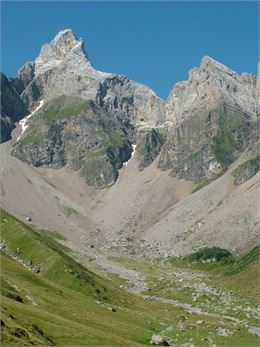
x: 205, y: 124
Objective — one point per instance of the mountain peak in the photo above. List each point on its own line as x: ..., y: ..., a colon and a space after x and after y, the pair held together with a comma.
x: 65, y: 40
x: 64, y: 34
x: 54, y: 53
x: 210, y: 64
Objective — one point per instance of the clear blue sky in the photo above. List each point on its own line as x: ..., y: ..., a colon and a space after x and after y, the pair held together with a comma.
x: 154, y: 43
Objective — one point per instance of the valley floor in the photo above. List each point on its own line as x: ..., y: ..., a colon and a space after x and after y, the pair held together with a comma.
x: 201, y: 289
x: 49, y: 298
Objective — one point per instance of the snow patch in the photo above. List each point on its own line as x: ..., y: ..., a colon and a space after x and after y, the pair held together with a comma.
x: 132, y: 155
x: 23, y: 122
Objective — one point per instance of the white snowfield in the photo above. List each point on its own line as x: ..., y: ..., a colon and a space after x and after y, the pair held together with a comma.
x: 132, y: 155
x: 23, y: 122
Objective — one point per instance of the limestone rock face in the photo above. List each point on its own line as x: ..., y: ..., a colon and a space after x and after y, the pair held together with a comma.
x: 63, y: 46
x: 211, y: 119
x: 63, y: 68
x: 136, y: 101
x: 208, y: 86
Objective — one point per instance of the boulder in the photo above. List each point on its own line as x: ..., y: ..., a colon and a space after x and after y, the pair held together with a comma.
x: 159, y: 340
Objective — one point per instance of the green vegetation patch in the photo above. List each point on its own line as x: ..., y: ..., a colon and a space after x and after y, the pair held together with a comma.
x: 224, y: 143
x: 98, y: 153
x: 52, y: 234
x: 201, y: 184
x: 246, y: 170
x: 35, y: 137
x: 213, y: 253
x: 65, y: 107
x: 236, y: 273
x: 117, y: 141
x: 69, y: 211
x: 206, y: 181
x: 242, y: 263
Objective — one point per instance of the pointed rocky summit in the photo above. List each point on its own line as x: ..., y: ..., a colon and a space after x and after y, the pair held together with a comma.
x: 65, y: 45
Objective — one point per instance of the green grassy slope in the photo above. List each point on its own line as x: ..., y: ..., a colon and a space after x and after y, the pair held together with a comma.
x: 231, y: 287
x: 237, y: 273
x: 66, y: 301
x: 65, y: 304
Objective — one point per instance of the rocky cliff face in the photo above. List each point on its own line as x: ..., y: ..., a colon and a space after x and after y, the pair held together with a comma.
x: 79, y: 134
x: 95, y: 140
x: 208, y: 86
x: 211, y: 119
x: 63, y: 68
x: 91, y: 119
x: 24, y: 77
x: 12, y: 108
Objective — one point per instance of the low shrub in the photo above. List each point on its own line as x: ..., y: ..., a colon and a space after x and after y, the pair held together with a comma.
x: 213, y: 253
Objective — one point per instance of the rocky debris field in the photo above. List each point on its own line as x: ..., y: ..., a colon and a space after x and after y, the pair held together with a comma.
x: 193, y: 290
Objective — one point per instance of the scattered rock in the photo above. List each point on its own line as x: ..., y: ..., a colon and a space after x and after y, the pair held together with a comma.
x: 159, y: 340
x: 200, y: 321
x: 223, y: 332
x: 254, y: 330
x: 37, y: 269
x: 112, y: 309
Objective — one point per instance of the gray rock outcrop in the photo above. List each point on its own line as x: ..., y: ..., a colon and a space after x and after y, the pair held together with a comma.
x: 63, y: 68
x: 159, y: 340
x: 79, y: 134
x: 211, y: 119
x: 210, y: 85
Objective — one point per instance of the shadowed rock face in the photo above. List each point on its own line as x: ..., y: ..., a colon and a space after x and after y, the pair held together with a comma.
x: 12, y: 108
x: 150, y: 144
x: 24, y: 77
x: 206, y: 123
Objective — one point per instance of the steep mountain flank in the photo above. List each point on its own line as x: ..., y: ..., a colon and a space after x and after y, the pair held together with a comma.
x: 211, y: 120
x: 74, y: 132
x: 63, y: 68
x: 93, y: 134
x: 12, y: 108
